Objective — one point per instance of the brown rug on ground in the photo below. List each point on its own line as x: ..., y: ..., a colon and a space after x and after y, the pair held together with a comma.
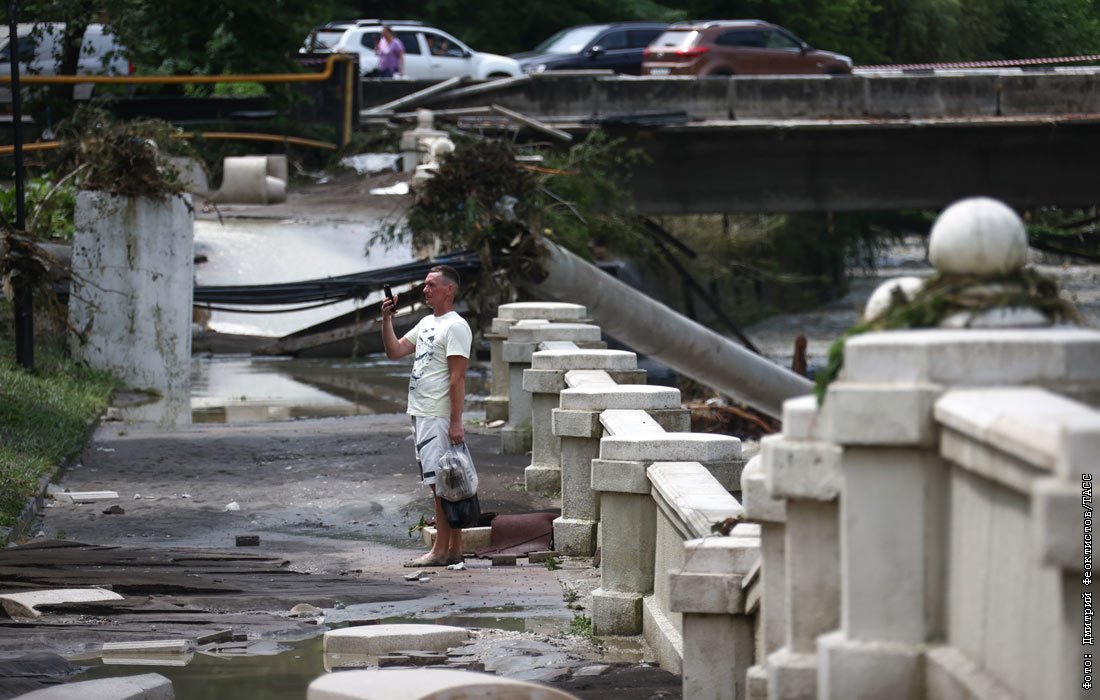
x: 521, y: 533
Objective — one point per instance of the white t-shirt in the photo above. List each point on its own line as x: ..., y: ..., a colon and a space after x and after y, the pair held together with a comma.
x: 436, y: 338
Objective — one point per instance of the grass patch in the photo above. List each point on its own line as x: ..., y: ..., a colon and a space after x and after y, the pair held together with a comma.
x: 44, y: 417
x: 581, y: 626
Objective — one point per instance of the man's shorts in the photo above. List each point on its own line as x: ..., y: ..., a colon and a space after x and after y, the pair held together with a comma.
x: 432, y: 440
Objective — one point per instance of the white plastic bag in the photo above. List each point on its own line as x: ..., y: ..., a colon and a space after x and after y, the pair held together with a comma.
x: 456, y: 478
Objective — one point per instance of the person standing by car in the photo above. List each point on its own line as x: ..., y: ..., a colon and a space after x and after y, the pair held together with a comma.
x: 391, y: 54
x: 437, y: 390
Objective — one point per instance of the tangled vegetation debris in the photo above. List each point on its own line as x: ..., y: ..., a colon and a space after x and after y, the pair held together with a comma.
x: 946, y: 294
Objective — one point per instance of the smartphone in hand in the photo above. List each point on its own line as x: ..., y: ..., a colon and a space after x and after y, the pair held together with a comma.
x: 389, y: 292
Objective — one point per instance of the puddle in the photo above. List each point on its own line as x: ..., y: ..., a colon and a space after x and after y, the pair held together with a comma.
x: 242, y: 388
x: 283, y: 676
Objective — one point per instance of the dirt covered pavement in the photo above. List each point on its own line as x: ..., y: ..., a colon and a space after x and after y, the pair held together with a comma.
x: 332, y: 502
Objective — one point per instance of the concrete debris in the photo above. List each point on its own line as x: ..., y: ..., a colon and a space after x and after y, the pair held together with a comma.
x: 114, y: 510
x: 248, y: 540
x: 504, y: 560
x: 397, y: 188
x: 159, y: 646
x: 85, y: 496
x: 460, y: 566
x: 24, y: 604
x: 305, y: 610
x: 414, y: 576
x: 541, y: 557
x: 232, y: 507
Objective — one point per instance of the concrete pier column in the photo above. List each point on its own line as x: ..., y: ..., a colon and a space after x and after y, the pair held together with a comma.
x: 771, y: 514
x: 523, y: 341
x: 718, y: 633
x: 545, y: 381
x: 804, y: 472
x: 578, y: 425
x: 496, y: 407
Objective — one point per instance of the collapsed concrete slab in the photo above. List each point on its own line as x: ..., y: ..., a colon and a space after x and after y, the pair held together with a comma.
x: 147, y: 686
x: 24, y: 604
x: 382, y: 639
x: 426, y: 684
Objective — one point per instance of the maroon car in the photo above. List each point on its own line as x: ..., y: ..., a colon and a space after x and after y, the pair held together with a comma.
x: 736, y: 47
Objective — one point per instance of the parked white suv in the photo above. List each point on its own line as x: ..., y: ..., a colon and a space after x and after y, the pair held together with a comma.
x: 430, y: 53
x: 40, y: 54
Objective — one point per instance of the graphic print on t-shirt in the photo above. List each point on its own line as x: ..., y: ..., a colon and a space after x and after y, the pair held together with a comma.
x: 425, y: 344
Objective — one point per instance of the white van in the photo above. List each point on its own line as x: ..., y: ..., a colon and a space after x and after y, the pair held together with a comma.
x: 40, y: 54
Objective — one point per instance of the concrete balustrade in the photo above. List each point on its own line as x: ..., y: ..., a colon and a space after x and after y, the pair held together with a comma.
x: 803, y: 473
x: 577, y: 424
x: 524, y: 339
x: 714, y: 593
x: 496, y: 407
x: 771, y: 514
x: 545, y: 381
x: 689, y: 502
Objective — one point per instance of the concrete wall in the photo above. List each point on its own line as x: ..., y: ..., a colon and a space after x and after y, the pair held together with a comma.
x: 869, y: 96
x: 131, y: 291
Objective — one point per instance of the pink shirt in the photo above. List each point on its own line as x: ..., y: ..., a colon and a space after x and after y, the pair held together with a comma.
x: 389, y: 54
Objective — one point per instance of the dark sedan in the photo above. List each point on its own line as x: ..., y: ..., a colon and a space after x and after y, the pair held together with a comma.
x: 618, y: 47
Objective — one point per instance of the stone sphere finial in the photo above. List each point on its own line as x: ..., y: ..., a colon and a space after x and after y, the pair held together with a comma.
x: 425, y: 118
x: 879, y: 300
x: 978, y: 236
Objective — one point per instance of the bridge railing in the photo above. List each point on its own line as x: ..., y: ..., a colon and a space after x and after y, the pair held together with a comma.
x: 922, y: 531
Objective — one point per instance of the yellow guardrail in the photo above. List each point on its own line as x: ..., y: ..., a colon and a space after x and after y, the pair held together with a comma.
x: 326, y: 74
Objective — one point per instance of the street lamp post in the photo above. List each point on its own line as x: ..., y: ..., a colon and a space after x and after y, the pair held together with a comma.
x: 24, y: 296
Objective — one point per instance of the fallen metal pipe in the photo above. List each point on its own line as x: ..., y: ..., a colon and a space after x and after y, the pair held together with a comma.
x: 651, y: 328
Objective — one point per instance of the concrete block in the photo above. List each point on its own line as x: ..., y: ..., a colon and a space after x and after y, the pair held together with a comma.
x: 1057, y: 524
x: 151, y: 647
x: 1039, y: 427
x: 881, y: 413
x: 504, y: 560
x: 518, y: 353
x: 515, y: 440
x: 800, y: 469
x: 543, y: 381
x: 718, y: 650
x: 541, y: 557
x: 796, y: 97
x: 800, y: 418
x: 869, y: 670
x: 575, y: 537
x: 616, y: 612
x: 792, y: 675
x: 579, y: 424
x: 629, y: 531
x: 950, y: 675
x: 624, y: 422
x: 737, y: 554
x: 812, y: 564
x: 1047, y: 93
x: 600, y: 397
x: 673, y: 420
x: 584, y: 359
x: 757, y: 502
x: 711, y: 594
x: 145, y: 686
x: 693, y: 494
x: 617, y: 476
x: 576, y: 332
x: 930, y: 96
x: 1048, y: 357
x: 756, y: 683
x: 539, y: 478
x: 24, y: 604
x: 244, y: 181
x: 671, y: 447
x: 426, y: 684
x: 545, y: 310
x: 581, y: 377
x: 381, y: 639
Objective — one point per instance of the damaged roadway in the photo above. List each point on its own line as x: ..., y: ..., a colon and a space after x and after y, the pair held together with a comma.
x: 331, y: 502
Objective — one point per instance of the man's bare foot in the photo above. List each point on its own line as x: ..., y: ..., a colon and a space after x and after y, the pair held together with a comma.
x: 428, y: 559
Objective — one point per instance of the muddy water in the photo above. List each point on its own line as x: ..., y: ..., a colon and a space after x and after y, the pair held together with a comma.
x: 242, y: 388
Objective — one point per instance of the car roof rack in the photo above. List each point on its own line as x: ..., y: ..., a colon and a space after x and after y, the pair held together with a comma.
x: 708, y: 23
x: 378, y: 22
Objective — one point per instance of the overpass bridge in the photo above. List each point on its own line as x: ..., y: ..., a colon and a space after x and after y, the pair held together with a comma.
x: 875, y: 140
